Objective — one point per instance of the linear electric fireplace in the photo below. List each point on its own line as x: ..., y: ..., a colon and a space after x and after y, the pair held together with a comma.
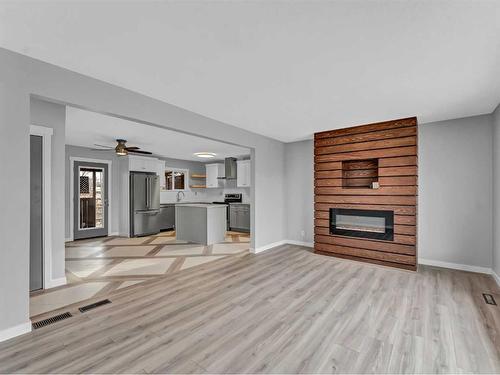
x: 374, y: 224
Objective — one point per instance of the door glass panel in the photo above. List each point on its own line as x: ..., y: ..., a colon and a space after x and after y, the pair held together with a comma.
x: 91, y: 198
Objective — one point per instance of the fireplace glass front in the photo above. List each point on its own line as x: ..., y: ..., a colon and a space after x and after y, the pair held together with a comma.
x: 374, y: 224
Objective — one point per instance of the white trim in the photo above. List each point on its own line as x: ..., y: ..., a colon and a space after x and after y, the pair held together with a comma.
x: 186, y: 179
x: 455, y: 266
x: 267, y: 247
x: 496, y: 277
x: 11, y: 332
x: 57, y: 282
x: 300, y: 243
x: 46, y: 134
x: 72, y: 160
x: 279, y: 243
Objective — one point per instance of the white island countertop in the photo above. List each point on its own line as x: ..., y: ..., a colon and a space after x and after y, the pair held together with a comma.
x: 201, y: 205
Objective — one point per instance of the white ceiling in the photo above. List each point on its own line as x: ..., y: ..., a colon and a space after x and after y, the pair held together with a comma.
x: 284, y: 69
x: 84, y: 128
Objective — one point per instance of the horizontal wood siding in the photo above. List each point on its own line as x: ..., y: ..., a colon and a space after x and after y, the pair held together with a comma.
x: 343, y: 170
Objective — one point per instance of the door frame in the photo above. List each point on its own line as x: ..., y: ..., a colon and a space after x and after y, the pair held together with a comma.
x: 72, y: 160
x: 46, y: 134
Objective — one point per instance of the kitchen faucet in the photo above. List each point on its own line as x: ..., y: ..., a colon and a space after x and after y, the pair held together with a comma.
x: 179, y: 195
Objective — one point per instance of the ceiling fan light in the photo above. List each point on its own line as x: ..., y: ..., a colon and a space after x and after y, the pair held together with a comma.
x: 121, y: 150
x: 205, y: 155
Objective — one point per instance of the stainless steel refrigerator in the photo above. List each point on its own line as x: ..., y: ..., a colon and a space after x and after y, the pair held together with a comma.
x: 144, y: 204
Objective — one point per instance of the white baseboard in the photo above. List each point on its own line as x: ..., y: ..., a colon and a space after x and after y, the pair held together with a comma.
x: 56, y: 282
x: 15, y: 331
x: 68, y: 239
x: 279, y: 243
x: 114, y: 234
x: 300, y: 243
x: 267, y: 247
x: 496, y: 277
x: 455, y: 266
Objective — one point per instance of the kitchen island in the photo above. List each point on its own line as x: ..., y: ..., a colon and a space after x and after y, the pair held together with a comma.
x: 200, y: 223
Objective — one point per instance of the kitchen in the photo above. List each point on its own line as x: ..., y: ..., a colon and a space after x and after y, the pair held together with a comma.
x: 142, y: 202
x: 200, y: 201
x: 146, y: 174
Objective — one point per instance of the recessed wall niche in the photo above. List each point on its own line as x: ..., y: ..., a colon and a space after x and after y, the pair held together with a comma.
x: 359, y: 174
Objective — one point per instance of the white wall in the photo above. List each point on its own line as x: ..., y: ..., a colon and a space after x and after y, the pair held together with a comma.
x: 496, y: 192
x: 14, y: 217
x: 455, y: 191
x: 20, y: 77
x: 299, y: 191
x: 53, y: 116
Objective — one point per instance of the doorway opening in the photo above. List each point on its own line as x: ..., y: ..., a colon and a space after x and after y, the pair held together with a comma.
x: 36, y: 213
x: 123, y: 206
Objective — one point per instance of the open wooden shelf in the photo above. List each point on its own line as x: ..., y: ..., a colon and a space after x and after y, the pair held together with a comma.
x: 198, y: 186
x: 359, y: 174
x: 194, y: 175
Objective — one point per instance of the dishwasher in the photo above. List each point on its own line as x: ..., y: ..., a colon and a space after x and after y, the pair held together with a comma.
x: 167, y: 217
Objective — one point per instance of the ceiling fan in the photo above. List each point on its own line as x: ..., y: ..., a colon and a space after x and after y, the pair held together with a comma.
x: 121, y: 148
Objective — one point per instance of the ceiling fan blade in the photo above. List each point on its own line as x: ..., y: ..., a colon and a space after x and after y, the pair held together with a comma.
x: 102, y: 149
x: 103, y: 146
x: 140, y: 152
x: 132, y: 148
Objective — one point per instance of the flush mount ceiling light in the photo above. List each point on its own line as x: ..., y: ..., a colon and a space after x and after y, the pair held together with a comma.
x: 205, y: 155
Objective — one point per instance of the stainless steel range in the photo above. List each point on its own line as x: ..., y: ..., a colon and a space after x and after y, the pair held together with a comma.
x: 230, y: 198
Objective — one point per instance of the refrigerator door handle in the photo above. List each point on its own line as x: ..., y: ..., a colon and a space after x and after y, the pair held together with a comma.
x: 147, y: 192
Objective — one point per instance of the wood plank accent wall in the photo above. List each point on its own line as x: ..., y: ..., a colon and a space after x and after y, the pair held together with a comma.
x: 393, y: 145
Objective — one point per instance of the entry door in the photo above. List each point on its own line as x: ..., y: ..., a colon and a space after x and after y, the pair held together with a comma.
x: 90, y: 204
x: 36, y: 225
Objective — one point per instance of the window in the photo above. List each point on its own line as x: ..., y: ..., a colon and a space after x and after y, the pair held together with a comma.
x: 175, y: 179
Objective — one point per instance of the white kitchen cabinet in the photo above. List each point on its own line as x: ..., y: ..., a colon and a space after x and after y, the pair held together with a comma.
x: 214, y: 171
x: 243, y: 173
x: 143, y: 164
x: 160, y: 167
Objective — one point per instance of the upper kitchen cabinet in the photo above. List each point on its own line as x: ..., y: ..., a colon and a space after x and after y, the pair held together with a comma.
x: 243, y: 173
x: 160, y: 170
x: 214, y: 174
x: 143, y: 164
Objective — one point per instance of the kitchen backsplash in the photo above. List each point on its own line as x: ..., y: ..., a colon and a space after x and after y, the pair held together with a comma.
x: 204, y: 195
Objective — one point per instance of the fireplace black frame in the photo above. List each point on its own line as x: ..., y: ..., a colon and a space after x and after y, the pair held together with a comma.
x: 388, y: 235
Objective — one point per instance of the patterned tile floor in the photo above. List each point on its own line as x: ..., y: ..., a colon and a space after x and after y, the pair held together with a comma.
x: 98, y: 266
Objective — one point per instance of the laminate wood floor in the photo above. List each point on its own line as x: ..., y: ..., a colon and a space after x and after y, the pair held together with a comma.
x: 98, y: 266
x: 287, y: 310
